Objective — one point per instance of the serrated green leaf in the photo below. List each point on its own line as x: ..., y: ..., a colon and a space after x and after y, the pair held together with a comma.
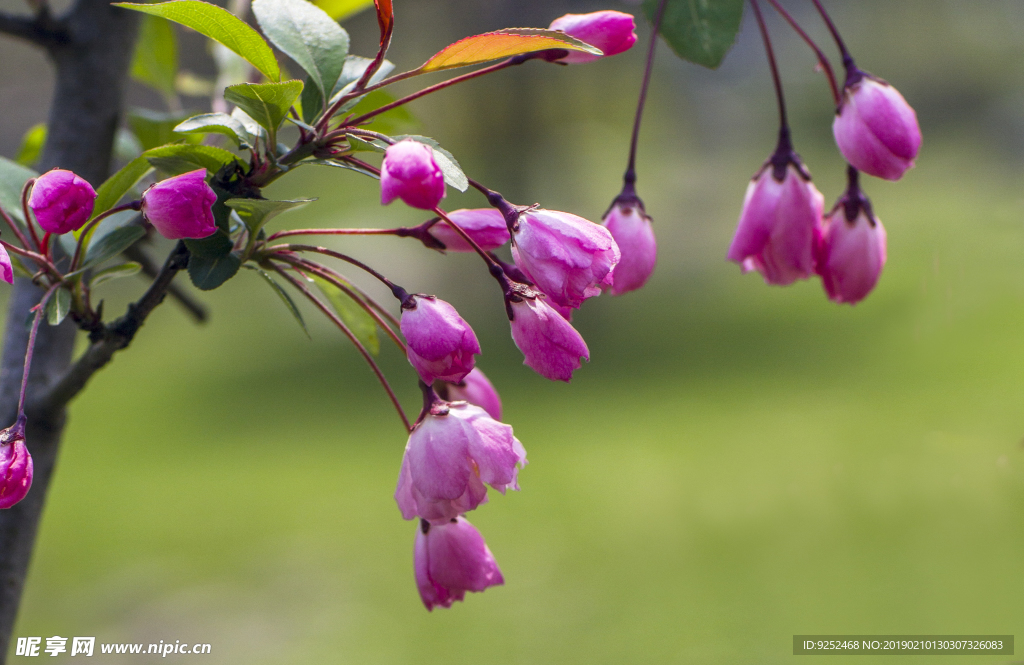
x: 701, y: 31
x: 308, y: 35
x: 311, y: 102
x: 361, y: 145
x: 358, y: 320
x: 155, y: 62
x: 177, y: 159
x: 58, y: 306
x: 219, y: 25
x: 453, y: 173
x: 254, y: 213
x: 266, y: 103
x: 112, y: 244
x: 217, y: 123
x: 32, y: 145
x: 340, y: 10
x: 154, y: 129
x: 13, y: 177
x: 207, y: 272
x: 115, y: 272
x: 282, y: 294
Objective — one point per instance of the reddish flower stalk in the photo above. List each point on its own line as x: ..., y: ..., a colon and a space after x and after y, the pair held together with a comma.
x: 822, y: 60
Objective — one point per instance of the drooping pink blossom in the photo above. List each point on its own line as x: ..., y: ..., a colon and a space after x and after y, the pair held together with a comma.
x: 550, y: 345
x: 6, y: 266
x: 612, y: 32
x: 410, y: 173
x: 181, y: 207
x: 486, y: 226
x: 476, y: 389
x: 452, y: 453
x: 61, y: 201
x: 875, y: 128
x: 781, y: 214
x: 567, y: 257
x: 15, y: 466
x: 450, y: 559
x: 439, y: 342
x: 851, y: 249
x: 631, y: 228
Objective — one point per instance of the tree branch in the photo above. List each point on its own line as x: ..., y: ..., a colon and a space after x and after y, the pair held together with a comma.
x: 41, y: 30
x: 194, y: 308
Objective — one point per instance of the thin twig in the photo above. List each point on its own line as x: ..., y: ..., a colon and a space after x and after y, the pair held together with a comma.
x: 195, y: 309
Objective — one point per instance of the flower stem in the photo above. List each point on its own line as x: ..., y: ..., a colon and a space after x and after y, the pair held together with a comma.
x: 28, y: 216
x: 31, y: 347
x: 783, y: 121
x: 396, y: 290
x: 826, y: 66
x: 14, y: 227
x: 847, y: 58
x: 629, y: 188
x: 87, y: 229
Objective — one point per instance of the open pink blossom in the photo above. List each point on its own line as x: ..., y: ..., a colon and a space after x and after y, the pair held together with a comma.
x: 612, y: 32
x: 6, y: 266
x: 476, y: 389
x: 410, y: 173
x: 61, y: 201
x: 876, y: 129
x: 15, y: 466
x: 781, y: 214
x: 567, y: 257
x: 450, y: 559
x: 452, y: 452
x: 631, y: 228
x: 439, y: 342
x: 181, y: 207
x: 486, y: 226
x: 851, y: 249
x: 550, y: 345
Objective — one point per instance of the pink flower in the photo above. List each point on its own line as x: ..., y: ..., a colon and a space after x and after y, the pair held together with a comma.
x: 181, y: 207
x: 478, y: 390
x: 875, y: 128
x: 851, y: 249
x: 631, y: 228
x: 612, y: 32
x: 450, y: 559
x: 439, y: 342
x: 410, y: 173
x: 486, y: 226
x: 451, y: 453
x: 61, y: 201
x: 566, y: 256
x: 6, y: 267
x: 15, y: 465
x: 550, y: 345
x: 781, y: 213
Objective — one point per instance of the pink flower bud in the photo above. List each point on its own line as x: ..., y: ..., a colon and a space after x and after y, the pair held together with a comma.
x: 550, y: 345
x: 451, y: 453
x: 631, y: 228
x: 6, y: 267
x: 775, y: 234
x: 566, y: 256
x: 61, y: 201
x: 439, y: 342
x: 876, y: 130
x: 410, y: 173
x: 486, y: 226
x: 181, y: 207
x: 450, y: 559
x: 851, y: 250
x: 15, y: 466
x: 612, y: 32
x: 478, y: 390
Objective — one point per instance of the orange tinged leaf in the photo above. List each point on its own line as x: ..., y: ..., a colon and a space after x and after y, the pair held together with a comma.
x: 385, y: 16
x: 503, y: 44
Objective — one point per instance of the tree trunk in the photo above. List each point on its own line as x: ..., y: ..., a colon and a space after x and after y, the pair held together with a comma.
x: 91, y: 71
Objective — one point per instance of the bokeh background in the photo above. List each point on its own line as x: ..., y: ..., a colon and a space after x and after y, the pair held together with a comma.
x: 738, y: 463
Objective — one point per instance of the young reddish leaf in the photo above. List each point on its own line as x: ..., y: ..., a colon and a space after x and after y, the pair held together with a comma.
x: 385, y: 16
x: 503, y: 44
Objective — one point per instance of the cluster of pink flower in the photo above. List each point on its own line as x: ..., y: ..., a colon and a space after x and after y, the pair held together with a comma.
x: 782, y: 231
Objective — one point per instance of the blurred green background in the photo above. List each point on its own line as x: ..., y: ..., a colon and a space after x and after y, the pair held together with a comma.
x: 737, y: 464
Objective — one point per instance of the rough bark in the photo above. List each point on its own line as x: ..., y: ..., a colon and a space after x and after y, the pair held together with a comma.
x: 91, y: 70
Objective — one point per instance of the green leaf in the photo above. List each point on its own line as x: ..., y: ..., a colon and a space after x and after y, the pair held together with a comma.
x: 13, y: 177
x: 282, y: 294
x: 218, y: 123
x: 177, y: 159
x: 115, y: 272
x: 154, y: 129
x: 113, y: 244
x: 254, y: 213
x: 352, y: 313
x: 306, y: 34
x: 453, y: 173
x: 340, y: 10
x: 701, y: 31
x: 311, y: 102
x: 219, y: 25
x: 32, y: 145
x: 266, y: 103
x: 58, y: 306
x: 207, y: 272
x: 117, y: 185
x: 155, y: 62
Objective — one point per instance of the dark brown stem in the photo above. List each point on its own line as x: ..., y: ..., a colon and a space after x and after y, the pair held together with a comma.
x: 41, y: 30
